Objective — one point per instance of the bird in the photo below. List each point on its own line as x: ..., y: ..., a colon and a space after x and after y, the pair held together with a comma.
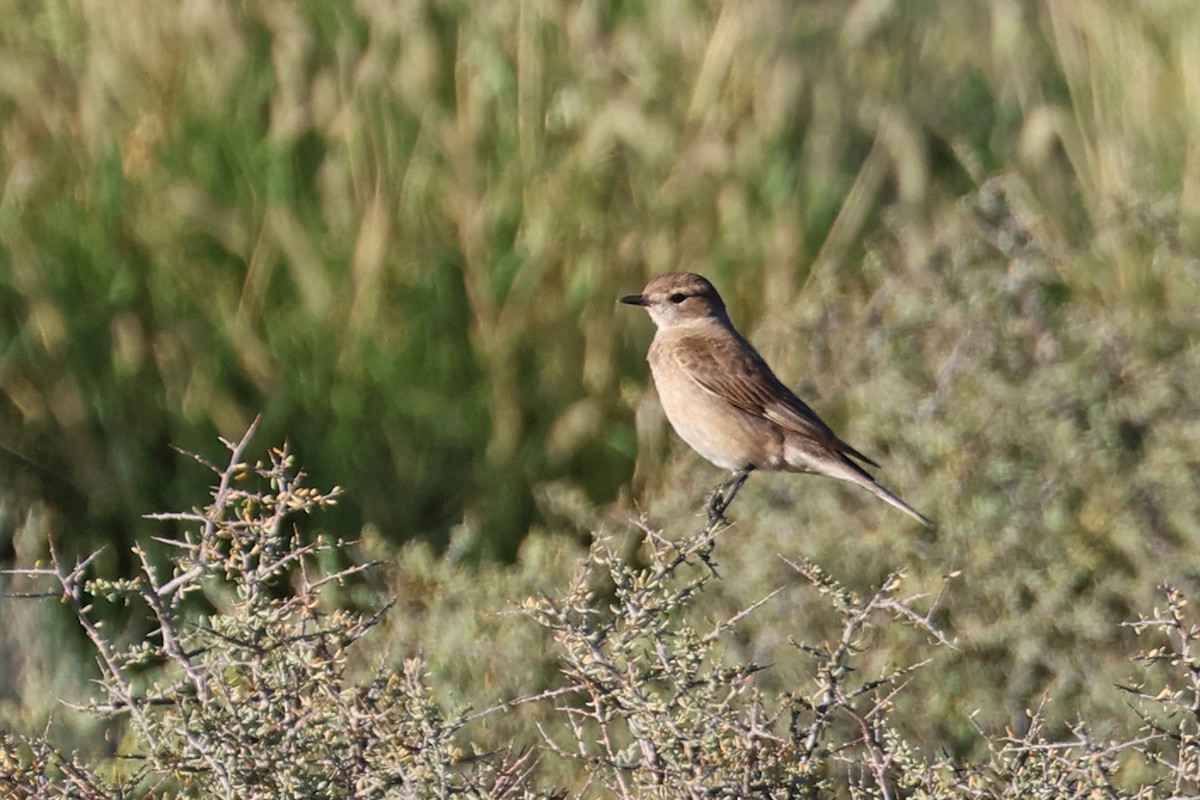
x: 723, y: 399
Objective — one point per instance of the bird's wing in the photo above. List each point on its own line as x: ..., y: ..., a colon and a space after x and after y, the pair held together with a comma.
x: 748, y: 383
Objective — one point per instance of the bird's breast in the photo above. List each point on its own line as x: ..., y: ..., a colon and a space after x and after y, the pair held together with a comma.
x: 719, y: 431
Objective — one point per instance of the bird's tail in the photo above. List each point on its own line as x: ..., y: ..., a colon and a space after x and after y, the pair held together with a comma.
x: 847, y: 470
x: 874, y: 488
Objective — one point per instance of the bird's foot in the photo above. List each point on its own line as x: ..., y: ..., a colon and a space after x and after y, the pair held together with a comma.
x: 715, y: 507
x: 722, y: 496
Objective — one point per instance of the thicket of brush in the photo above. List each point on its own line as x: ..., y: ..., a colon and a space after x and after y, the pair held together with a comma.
x: 638, y: 675
x: 964, y: 232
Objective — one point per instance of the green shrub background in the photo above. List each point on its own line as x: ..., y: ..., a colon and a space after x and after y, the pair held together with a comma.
x: 965, y: 232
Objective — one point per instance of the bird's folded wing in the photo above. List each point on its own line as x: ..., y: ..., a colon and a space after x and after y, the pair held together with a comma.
x: 733, y: 371
x: 741, y: 378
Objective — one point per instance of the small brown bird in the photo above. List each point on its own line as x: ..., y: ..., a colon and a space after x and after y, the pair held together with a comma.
x: 724, y: 401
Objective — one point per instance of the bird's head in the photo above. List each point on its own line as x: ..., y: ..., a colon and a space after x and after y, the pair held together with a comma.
x: 677, y: 298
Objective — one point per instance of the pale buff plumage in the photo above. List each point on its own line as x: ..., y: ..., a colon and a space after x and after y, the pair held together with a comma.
x: 723, y: 400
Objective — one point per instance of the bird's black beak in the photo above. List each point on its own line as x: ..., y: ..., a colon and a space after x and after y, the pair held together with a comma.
x: 635, y: 300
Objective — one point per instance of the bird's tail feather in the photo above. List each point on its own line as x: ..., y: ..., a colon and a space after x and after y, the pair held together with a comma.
x: 895, y: 501
x: 847, y: 470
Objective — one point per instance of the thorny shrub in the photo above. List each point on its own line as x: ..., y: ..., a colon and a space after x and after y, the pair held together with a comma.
x: 242, y: 687
x: 251, y: 697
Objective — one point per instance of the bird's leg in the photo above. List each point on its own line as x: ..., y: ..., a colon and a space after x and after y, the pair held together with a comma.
x: 723, y: 495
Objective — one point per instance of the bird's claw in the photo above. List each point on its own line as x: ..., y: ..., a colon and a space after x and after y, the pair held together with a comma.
x: 723, y: 495
x: 715, y: 507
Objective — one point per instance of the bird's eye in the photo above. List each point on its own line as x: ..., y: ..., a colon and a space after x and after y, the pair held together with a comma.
x: 678, y: 297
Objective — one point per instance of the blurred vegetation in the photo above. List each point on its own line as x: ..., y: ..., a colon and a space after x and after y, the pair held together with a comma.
x: 964, y: 231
